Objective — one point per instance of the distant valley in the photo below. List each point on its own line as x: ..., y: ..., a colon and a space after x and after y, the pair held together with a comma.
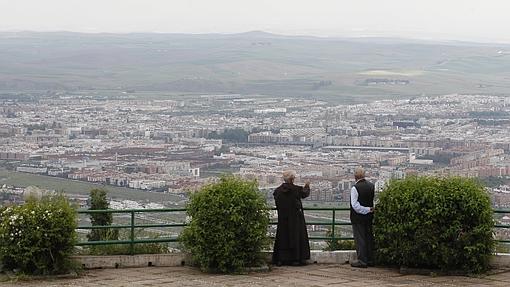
x: 337, y: 70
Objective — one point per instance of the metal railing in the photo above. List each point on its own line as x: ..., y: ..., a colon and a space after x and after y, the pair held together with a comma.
x: 503, y: 226
x: 132, y: 226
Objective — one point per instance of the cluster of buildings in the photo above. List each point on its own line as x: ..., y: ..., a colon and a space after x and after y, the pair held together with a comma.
x: 176, y: 144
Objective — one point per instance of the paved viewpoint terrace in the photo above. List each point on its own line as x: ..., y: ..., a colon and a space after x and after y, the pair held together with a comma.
x: 312, y: 275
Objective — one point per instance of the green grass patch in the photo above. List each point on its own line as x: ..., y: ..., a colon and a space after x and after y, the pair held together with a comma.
x: 80, y: 188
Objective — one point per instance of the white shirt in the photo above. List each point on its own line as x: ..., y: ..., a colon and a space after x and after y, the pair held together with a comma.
x: 358, y: 208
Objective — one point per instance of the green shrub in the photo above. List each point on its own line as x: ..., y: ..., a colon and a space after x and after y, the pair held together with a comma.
x: 125, y: 249
x: 228, y: 226
x: 338, y: 244
x: 429, y: 222
x: 39, y: 236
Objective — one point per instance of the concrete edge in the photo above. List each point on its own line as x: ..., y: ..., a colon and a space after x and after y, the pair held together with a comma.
x: 181, y: 259
x: 140, y: 260
x: 499, y: 260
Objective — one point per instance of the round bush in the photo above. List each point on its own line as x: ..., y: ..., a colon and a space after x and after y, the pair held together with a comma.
x: 430, y: 222
x: 39, y: 236
x: 228, y: 226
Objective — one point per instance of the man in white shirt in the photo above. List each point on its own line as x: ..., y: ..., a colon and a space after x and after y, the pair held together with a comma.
x: 362, y: 208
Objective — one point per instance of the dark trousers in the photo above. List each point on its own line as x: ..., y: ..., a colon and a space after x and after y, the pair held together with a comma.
x: 364, y: 239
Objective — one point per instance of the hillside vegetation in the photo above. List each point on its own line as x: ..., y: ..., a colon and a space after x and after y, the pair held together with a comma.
x: 250, y: 63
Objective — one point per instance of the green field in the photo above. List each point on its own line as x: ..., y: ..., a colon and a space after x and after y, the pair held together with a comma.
x: 81, y: 188
x: 169, y: 65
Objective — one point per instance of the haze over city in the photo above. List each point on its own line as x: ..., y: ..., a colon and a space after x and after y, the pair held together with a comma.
x: 468, y: 20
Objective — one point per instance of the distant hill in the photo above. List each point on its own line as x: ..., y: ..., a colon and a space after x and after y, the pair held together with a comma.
x: 353, y: 69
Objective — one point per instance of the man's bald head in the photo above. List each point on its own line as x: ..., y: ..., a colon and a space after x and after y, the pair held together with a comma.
x: 359, y: 173
x: 289, y: 176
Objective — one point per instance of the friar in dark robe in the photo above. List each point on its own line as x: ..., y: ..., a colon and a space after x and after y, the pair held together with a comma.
x: 291, y: 246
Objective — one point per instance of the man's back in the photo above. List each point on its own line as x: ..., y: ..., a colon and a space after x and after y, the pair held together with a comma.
x: 366, y: 193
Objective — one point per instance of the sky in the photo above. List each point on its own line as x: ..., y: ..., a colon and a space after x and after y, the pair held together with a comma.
x: 469, y: 20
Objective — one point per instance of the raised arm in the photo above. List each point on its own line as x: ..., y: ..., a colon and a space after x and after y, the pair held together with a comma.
x: 276, y: 197
x: 305, y: 192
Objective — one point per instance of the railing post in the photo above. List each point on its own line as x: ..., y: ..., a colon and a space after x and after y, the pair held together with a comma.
x: 132, y: 237
x: 333, y: 241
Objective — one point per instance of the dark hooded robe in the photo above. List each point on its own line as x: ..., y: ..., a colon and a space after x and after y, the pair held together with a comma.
x: 291, y: 243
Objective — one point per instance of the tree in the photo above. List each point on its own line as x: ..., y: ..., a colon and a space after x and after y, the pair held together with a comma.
x: 98, y: 201
x: 231, y: 135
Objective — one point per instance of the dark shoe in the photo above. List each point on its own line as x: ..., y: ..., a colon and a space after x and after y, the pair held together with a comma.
x: 358, y: 264
x: 279, y: 263
x: 302, y: 263
x: 370, y: 264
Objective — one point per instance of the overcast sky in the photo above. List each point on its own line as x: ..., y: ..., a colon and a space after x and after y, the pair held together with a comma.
x: 475, y: 20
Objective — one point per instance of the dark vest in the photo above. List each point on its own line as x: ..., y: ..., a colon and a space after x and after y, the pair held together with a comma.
x: 366, y: 192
